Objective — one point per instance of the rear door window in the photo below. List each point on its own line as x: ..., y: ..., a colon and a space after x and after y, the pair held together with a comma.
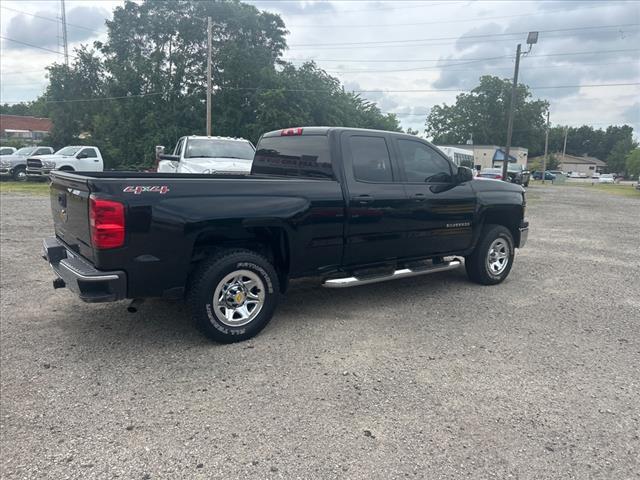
x: 295, y: 155
x: 371, y: 161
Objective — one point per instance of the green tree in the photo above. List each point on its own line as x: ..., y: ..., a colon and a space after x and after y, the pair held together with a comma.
x: 617, y: 160
x: 586, y: 140
x: 152, y: 70
x: 37, y: 108
x: 483, y: 114
x: 633, y: 163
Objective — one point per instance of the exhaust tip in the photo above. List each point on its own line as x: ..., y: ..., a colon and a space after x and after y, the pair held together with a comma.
x: 134, y: 305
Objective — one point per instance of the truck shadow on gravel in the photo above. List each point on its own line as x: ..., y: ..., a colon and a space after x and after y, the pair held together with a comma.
x: 168, y: 325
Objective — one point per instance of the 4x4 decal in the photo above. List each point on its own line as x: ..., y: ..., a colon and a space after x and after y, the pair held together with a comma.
x: 138, y: 189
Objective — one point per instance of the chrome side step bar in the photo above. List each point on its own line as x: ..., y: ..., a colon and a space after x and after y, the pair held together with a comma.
x: 402, y: 273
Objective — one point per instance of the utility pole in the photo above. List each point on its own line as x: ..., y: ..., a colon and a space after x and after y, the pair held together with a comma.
x: 546, y: 148
x: 209, y: 33
x: 63, y: 17
x: 505, y: 164
x: 564, y: 148
x: 532, y: 39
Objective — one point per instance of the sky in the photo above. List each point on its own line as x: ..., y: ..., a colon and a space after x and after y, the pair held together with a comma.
x: 407, y: 56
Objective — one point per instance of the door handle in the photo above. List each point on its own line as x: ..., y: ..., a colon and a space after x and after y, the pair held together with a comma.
x: 419, y: 197
x: 363, y: 199
x: 96, y: 160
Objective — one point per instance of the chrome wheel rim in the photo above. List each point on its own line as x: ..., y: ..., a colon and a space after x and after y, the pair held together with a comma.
x: 239, y: 298
x: 498, y: 256
x: 21, y: 175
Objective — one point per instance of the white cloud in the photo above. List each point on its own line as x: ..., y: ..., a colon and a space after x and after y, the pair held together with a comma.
x: 313, y: 24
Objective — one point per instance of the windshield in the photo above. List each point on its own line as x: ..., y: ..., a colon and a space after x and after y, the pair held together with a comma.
x: 208, y: 148
x: 25, y: 151
x: 68, y: 151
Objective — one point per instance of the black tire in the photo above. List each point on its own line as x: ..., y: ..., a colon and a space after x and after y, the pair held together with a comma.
x: 209, y: 276
x: 478, y: 265
x: 20, y: 174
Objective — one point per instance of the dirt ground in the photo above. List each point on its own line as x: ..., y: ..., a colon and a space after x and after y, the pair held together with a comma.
x: 430, y: 377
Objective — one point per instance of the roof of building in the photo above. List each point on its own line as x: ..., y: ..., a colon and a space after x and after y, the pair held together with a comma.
x: 575, y: 160
x: 20, y: 122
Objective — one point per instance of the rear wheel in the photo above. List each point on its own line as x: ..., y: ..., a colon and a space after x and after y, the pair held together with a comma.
x: 233, y: 295
x: 492, y: 259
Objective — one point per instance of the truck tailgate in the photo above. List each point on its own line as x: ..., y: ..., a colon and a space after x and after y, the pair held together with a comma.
x: 70, y: 208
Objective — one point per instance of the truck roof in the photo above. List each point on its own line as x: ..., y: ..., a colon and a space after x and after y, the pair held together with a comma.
x: 204, y: 137
x: 325, y: 131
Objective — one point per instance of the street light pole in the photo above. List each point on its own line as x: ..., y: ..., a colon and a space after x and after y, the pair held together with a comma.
x: 209, y: 27
x: 532, y: 39
x: 505, y: 163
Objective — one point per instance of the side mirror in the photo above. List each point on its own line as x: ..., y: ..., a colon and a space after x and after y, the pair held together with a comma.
x: 171, y: 158
x: 82, y: 155
x: 464, y: 174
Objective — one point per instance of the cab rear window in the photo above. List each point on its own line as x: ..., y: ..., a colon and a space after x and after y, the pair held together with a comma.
x: 294, y: 156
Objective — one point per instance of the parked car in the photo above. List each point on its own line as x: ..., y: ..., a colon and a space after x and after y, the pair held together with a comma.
x: 576, y: 175
x: 516, y: 173
x: 537, y: 175
x: 491, y: 173
x: 352, y: 206
x: 7, y: 150
x: 595, y: 175
x: 557, y: 172
x: 78, y: 158
x: 606, y: 178
x: 16, y: 165
x: 209, y: 155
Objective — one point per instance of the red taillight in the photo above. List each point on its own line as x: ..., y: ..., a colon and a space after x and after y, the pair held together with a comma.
x: 107, y: 223
x: 287, y: 132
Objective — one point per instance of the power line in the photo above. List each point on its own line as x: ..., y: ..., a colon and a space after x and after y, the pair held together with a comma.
x: 31, y: 45
x: 479, y: 68
x: 303, y: 90
x: 428, y: 90
x: 379, y: 43
x: 50, y: 19
x: 413, y: 60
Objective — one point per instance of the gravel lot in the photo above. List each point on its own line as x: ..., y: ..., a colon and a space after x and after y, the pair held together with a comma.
x: 432, y: 377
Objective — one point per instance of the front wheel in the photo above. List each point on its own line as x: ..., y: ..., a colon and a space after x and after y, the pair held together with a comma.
x: 20, y: 174
x: 491, y: 261
x: 233, y: 295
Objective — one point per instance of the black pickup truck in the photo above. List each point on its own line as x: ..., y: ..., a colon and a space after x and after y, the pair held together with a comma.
x: 350, y: 206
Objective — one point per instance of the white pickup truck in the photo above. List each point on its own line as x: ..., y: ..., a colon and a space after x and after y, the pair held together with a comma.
x: 194, y: 154
x: 15, y: 165
x: 74, y: 158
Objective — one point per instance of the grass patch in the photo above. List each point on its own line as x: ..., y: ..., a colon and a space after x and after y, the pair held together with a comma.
x: 614, y: 189
x: 625, y: 190
x: 34, y: 188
